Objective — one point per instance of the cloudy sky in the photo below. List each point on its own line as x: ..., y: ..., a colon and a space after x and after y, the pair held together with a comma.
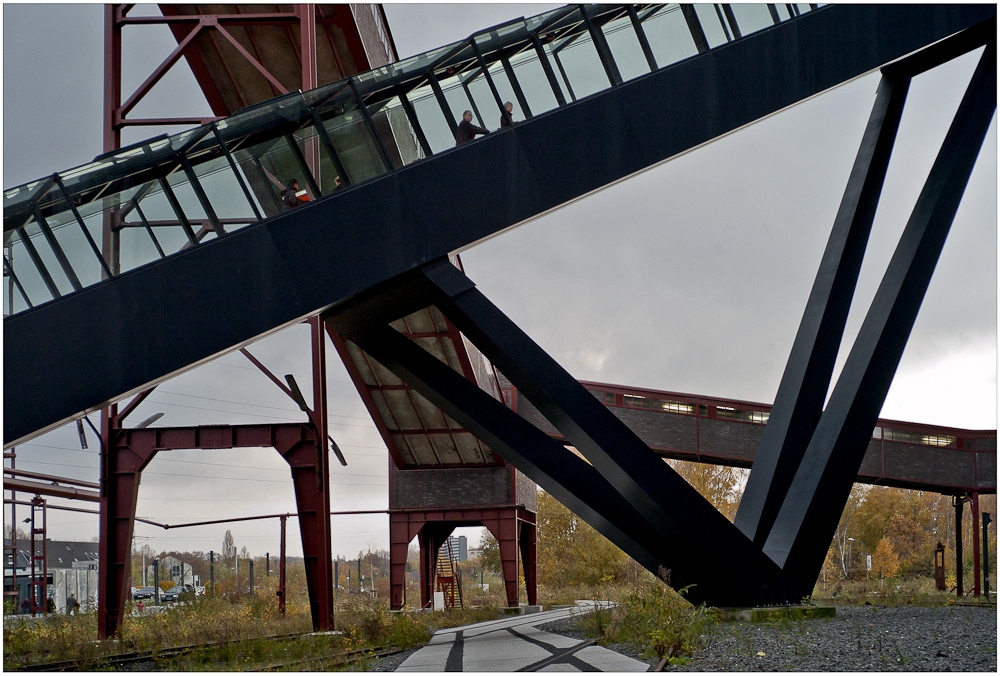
x: 691, y: 277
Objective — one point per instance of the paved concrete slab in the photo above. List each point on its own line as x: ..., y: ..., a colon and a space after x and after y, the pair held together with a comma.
x: 514, y: 643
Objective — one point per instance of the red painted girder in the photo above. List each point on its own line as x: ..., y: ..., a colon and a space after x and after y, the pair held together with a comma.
x: 214, y: 436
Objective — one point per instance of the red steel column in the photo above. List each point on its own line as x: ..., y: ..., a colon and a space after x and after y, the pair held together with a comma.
x: 428, y: 561
x: 505, y: 530
x: 312, y: 498
x: 121, y: 467
x: 402, y: 528
x: 528, y: 557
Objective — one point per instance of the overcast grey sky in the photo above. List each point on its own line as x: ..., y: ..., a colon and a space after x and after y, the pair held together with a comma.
x: 691, y: 277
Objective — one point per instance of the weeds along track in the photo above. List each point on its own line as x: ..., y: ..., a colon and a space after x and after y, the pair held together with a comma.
x: 339, y: 659
x: 163, y: 655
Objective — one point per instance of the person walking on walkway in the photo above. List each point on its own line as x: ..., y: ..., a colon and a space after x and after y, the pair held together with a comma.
x: 72, y: 605
x: 466, y: 130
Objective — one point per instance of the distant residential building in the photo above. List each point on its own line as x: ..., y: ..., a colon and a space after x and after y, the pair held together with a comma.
x: 72, y: 569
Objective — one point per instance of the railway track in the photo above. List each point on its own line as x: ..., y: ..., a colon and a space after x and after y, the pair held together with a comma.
x: 111, y: 662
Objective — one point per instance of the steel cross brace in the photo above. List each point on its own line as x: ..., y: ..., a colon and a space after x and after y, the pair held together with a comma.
x: 686, y: 548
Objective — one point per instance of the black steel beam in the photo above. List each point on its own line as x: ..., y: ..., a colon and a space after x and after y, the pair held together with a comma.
x: 675, y: 511
x: 294, y: 264
x: 806, y: 381
x: 806, y: 522
x: 578, y: 485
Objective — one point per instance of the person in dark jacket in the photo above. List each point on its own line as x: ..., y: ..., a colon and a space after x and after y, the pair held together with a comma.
x: 466, y: 130
x: 288, y: 198
x: 507, y: 115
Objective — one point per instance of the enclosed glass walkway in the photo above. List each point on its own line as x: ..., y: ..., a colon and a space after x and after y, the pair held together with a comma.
x: 143, y: 203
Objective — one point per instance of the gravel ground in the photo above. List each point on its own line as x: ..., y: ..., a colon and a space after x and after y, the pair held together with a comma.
x: 391, y: 662
x: 866, y: 638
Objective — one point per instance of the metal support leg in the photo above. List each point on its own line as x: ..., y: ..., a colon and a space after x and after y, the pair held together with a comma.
x: 675, y: 510
x: 529, y: 559
x: 312, y: 498
x: 569, y: 479
x: 122, y: 468
x: 505, y: 530
x: 806, y: 381
x: 808, y: 517
x: 400, y: 536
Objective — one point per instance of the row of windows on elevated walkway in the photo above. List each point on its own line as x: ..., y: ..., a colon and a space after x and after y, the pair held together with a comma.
x: 136, y: 205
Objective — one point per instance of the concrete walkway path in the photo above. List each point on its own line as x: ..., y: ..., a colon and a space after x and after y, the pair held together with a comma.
x: 516, y: 644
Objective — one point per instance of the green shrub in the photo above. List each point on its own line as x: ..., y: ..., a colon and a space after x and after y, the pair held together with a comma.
x: 657, y: 620
x: 406, y: 632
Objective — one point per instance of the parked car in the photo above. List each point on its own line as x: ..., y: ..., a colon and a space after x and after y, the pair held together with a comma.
x: 143, y: 593
x: 171, y: 594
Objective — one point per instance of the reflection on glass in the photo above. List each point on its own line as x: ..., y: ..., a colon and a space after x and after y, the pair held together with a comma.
x: 355, y: 146
x: 382, y: 119
x: 227, y: 197
x: 710, y: 24
x: 48, y: 256
x: 625, y: 48
x: 431, y: 119
x: 136, y: 248
x: 171, y: 237
x: 485, y: 102
x: 66, y: 229
x: 534, y: 84
x: 580, y: 65
x: 457, y: 99
x: 27, y: 273
x: 751, y: 18
x: 191, y: 206
x: 278, y: 167
x: 669, y: 36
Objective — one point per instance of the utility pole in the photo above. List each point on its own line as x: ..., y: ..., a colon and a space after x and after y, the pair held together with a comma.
x: 156, y: 581
x: 211, y: 571
x: 281, y: 570
x: 986, y: 555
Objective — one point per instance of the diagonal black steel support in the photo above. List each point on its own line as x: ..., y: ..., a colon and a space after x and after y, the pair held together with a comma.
x: 807, y: 519
x: 806, y: 381
x: 526, y: 447
x: 578, y: 485
x: 675, y: 510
